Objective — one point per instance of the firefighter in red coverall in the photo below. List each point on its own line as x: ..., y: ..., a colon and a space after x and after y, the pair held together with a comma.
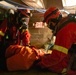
x: 12, y: 33
x: 24, y: 17
x: 65, y: 33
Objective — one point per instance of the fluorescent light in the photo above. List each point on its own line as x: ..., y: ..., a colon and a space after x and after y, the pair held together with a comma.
x: 69, y: 3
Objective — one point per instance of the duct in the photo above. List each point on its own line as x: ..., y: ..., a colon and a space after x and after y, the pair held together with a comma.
x: 5, y: 5
x: 34, y: 3
x: 18, y: 5
x: 24, y: 6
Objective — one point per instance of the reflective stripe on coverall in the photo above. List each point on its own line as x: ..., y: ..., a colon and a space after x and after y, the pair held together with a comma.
x: 63, y: 50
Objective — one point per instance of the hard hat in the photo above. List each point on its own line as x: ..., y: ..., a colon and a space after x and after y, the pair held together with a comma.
x: 51, y: 13
x: 25, y: 12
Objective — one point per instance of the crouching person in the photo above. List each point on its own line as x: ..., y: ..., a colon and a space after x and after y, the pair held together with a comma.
x: 65, y: 31
x: 20, y: 57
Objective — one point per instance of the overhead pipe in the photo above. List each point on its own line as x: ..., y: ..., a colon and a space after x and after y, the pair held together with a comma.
x: 21, y: 6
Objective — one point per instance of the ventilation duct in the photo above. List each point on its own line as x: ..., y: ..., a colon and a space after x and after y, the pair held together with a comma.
x: 34, y: 3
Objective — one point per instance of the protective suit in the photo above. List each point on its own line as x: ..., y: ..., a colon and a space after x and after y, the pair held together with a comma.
x: 58, y: 60
x: 23, y: 21
x: 23, y: 55
x: 14, y: 31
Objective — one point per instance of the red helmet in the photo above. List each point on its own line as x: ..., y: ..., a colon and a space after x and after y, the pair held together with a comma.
x: 25, y: 12
x: 51, y: 13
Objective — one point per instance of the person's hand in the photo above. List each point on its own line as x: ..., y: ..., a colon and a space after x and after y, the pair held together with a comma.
x: 49, y: 52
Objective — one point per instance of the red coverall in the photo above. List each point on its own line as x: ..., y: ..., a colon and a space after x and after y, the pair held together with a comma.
x: 21, y: 54
x: 14, y: 36
x: 58, y: 60
x: 25, y: 36
x: 21, y: 57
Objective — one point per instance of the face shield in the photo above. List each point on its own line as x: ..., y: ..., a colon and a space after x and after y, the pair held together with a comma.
x: 25, y: 20
x: 52, y: 23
